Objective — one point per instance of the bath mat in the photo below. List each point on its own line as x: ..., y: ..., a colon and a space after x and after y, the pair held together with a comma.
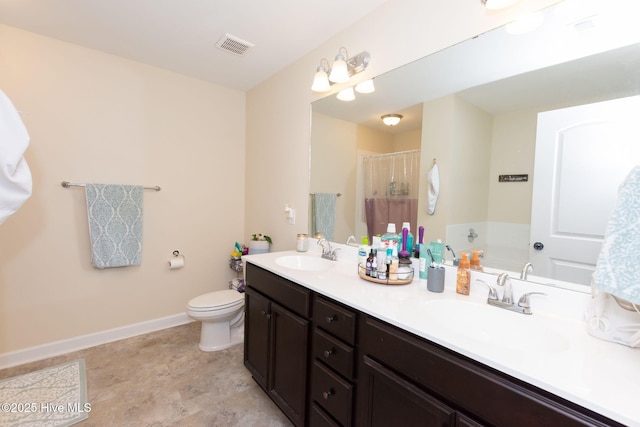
x: 51, y: 397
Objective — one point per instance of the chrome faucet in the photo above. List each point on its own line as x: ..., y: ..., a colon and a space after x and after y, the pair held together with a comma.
x: 525, y: 270
x: 455, y: 260
x: 327, y: 252
x: 505, y: 281
x: 523, y: 306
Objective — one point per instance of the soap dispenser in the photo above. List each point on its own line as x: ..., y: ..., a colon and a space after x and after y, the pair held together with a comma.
x: 475, y: 260
x: 463, y: 279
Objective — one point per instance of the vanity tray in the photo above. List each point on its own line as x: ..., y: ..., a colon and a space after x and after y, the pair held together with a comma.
x: 404, y: 277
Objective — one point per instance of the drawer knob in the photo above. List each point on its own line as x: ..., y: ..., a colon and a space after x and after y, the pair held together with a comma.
x: 328, y: 353
x: 327, y: 394
x: 265, y: 314
x: 332, y: 318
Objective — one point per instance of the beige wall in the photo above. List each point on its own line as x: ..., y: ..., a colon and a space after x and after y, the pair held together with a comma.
x: 94, y: 117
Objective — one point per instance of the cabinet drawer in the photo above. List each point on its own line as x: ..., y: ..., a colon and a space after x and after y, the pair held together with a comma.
x: 319, y: 418
x: 296, y: 298
x: 332, y: 393
x: 336, y: 320
x: 479, y: 390
x: 334, y: 353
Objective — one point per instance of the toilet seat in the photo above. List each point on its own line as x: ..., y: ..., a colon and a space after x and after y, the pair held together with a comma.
x: 217, y: 300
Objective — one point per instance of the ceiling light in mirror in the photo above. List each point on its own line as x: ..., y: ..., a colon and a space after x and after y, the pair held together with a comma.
x: 365, y: 86
x: 391, y: 119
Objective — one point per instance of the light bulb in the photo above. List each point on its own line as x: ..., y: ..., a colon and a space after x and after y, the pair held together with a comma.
x: 365, y: 86
x: 346, y: 94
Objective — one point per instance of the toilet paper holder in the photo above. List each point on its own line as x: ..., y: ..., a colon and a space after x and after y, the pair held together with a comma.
x: 177, y: 261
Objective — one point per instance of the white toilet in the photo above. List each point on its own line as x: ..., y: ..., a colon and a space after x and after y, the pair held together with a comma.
x: 222, y: 317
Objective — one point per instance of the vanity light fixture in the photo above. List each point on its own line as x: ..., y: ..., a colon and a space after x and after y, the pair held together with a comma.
x: 346, y: 94
x: 365, y: 86
x: 391, y: 119
x: 321, y: 79
x: 498, y: 4
x: 342, y: 70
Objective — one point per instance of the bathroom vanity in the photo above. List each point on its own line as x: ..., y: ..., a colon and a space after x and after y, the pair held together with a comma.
x: 331, y: 349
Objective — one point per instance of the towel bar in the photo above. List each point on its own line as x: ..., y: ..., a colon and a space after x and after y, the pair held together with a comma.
x: 67, y: 184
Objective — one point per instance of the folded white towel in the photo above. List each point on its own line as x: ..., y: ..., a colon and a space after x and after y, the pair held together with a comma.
x: 618, y: 270
x: 15, y: 176
x: 433, y: 181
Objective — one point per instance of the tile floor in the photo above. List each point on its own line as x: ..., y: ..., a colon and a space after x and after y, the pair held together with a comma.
x: 163, y: 379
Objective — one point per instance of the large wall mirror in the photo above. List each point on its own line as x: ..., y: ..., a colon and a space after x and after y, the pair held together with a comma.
x: 474, y: 108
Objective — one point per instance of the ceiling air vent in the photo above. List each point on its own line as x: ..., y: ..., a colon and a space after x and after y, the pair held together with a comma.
x: 234, y: 45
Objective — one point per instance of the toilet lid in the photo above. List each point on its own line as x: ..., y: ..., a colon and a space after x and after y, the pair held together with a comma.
x: 217, y: 300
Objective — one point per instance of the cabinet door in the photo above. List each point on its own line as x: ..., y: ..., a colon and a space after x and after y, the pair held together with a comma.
x: 386, y: 399
x: 256, y: 336
x: 289, y: 355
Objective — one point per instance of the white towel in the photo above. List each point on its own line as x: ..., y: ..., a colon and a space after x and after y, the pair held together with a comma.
x: 618, y: 270
x: 115, y: 224
x: 433, y: 181
x: 15, y: 176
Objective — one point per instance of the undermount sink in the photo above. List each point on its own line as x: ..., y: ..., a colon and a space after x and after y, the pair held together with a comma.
x: 495, y: 326
x: 304, y: 262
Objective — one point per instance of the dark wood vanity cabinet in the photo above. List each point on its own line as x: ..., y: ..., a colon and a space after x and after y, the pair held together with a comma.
x: 276, y: 343
x: 325, y: 364
x: 407, y: 380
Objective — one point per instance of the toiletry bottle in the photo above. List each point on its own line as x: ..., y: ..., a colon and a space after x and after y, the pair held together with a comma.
x: 393, y: 267
x: 475, y: 261
x: 382, y: 264
x: 437, y: 250
x: 416, y: 251
x: 374, y: 263
x: 463, y: 279
x: 424, y: 262
x: 409, y: 238
x: 390, y: 239
x: 369, y: 263
x: 363, y: 250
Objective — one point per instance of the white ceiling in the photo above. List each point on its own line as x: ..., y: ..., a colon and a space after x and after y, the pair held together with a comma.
x: 181, y: 35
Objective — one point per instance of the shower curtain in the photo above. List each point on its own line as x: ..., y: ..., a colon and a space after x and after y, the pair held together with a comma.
x: 391, y: 190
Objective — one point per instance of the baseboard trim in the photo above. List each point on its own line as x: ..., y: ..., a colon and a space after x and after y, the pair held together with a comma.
x: 56, y: 348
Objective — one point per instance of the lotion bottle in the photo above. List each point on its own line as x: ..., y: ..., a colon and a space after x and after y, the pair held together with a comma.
x: 363, y: 250
x: 463, y: 279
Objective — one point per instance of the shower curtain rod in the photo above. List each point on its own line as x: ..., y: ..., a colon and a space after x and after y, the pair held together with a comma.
x: 396, y: 153
x: 67, y: 184
x: 337, y: 194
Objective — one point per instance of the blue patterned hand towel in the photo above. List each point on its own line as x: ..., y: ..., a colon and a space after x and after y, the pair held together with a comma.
x: 618, y: 269
x: 324, y: 213
x: 115, y: 224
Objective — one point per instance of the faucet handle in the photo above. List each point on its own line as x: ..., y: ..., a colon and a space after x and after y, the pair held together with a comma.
x: 493, y: 294
x: 524, y: 299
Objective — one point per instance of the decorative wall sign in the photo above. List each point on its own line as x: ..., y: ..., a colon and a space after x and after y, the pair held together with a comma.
x: 514, y: 178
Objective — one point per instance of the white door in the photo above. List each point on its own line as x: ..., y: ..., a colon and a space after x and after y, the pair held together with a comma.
x: 582, y: 156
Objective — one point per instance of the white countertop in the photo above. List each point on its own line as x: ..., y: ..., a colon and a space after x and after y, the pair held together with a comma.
x: 553, y: 351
